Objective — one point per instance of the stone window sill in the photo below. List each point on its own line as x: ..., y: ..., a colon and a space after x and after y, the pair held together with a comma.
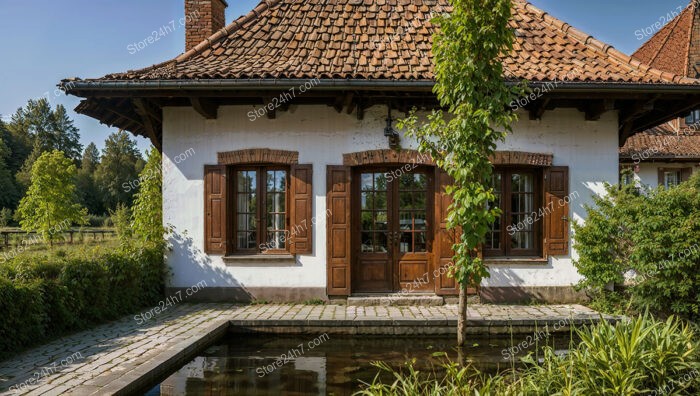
x: 256, y: 259
x: 515, y: 261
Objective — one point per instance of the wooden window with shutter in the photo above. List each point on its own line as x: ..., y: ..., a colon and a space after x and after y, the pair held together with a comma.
x: 671, y: 177
x: 556, y: 202
x: 338, y: 250
x: 517, y: 232
x: 258, y: 209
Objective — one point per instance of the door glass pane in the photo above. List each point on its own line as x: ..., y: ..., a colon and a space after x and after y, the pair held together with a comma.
x: 374, y: 213
x: 413, y: 207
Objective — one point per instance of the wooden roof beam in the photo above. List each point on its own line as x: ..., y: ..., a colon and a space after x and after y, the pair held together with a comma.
x: 142, y: 109
x: 206, y: 108
x: 538, y: 108
x: 596, y: 109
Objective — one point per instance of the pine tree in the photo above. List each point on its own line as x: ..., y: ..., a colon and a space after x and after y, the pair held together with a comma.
x: 118, y: 170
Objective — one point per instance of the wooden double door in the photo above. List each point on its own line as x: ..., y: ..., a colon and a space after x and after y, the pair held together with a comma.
x: 392, y: 229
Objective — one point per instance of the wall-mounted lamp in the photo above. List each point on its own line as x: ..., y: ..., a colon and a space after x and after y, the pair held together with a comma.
x: 390, y: 132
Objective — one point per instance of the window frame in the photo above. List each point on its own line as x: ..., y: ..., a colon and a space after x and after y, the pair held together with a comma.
x: 679, y: 177
x: 261, y: 214
x: 538, y: 225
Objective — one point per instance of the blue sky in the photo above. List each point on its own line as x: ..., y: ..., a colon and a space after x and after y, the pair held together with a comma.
x: 44, y: 41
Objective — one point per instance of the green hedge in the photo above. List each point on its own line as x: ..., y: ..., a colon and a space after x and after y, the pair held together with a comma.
x: 652, y: 237
x: 44, y: 296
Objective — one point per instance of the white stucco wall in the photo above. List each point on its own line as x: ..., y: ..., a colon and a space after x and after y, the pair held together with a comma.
x: 321, y: 136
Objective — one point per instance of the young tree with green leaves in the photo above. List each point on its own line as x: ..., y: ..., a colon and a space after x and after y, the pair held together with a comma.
x: 51, y: 203
x: 147, y: 211
x: 470, y: 86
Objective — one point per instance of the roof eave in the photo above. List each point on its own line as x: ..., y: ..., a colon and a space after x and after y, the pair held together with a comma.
x: 72, y: 86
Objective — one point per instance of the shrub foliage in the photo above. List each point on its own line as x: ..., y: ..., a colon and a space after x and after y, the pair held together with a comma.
x: 648, y: 241
x: 44, y: 296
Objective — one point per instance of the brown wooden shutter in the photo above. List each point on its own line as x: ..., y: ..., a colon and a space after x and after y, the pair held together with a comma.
x: 301, y: 211
x: 338, y: 230
x: 686, y: 173
x: 215, y: 221
x: 556, y: 226
x: 444, y: 238
x: 661, y: 176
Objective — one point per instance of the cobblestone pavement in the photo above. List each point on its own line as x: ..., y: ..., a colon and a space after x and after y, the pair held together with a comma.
x: 107, y: 357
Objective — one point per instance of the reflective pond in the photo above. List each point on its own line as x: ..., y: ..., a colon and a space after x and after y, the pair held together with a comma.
x: 243, y: 364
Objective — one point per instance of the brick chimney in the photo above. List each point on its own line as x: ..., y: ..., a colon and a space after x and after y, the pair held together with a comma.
x: 694, y: 50
x: 202, y: 19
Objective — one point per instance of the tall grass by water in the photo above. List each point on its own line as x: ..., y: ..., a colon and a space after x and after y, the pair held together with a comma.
x: 640, y: 356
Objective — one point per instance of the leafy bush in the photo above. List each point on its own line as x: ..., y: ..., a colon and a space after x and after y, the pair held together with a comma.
x: 42, y: 296
x: 653, y: 236
x: 121, y: 218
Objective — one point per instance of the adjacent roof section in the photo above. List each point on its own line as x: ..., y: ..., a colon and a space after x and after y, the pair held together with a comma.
x: 387, y: 40
x: 669, y: 48
x: 663, y: 143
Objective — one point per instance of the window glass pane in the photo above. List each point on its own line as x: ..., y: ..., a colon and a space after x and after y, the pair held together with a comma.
x: 380, y: 242
x: 380, y: 201
x: 246, y: 181
x: 493, y: 239
x: 366, y: 241
x: 381, y: 221
x: 367, y: 200
x: 367, y: 181
x: 276, y: 180
x: 406, y: 243
x: 413, y: 182
x: 246, y: 209
x: 419, y: 244
x: 247, y: 240
x: 522, y: 182
x: 275, y: 208
x: 522, y: 240
x: 419, y: 222
x: 276, y: 240
x: 672, y: 179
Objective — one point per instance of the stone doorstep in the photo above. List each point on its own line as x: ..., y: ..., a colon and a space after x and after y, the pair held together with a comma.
x: 396, y: 301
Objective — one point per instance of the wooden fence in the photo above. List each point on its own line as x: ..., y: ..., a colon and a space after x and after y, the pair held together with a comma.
x: 5, y: 235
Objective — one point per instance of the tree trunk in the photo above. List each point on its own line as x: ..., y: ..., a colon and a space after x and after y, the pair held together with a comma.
x: 462, y: 319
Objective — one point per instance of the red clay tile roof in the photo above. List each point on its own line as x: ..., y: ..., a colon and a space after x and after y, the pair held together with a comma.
x: 668, y: 48
x: 663, y: 142
x: 386, y: 39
